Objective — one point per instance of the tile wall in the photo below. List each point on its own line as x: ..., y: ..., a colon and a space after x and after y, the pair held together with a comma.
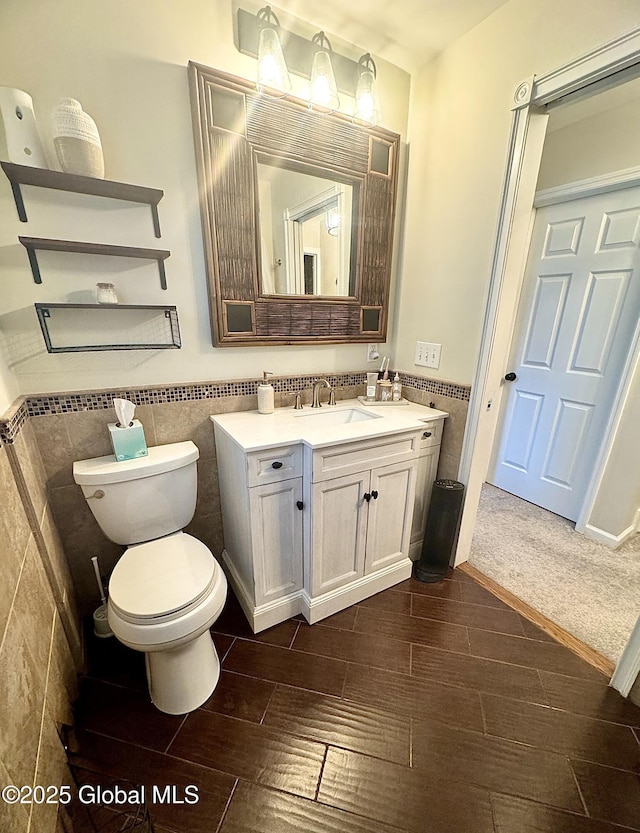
x: 73, y: 426
x: 40, y: 651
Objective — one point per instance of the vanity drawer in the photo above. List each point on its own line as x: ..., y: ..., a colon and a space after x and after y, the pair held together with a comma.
x: 274, y: 464
x: 432, y: 434
x: 349, y: 458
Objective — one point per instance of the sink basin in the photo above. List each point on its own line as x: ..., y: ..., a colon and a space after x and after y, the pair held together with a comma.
x: 330, y: 415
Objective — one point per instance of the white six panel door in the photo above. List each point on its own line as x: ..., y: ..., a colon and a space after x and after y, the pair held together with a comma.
x: 580, y: 308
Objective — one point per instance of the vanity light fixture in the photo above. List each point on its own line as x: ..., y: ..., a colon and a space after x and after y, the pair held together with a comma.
x: 367, y: 106
x: 273, y: 76
x: 282, y: 52
x: 323, y: 91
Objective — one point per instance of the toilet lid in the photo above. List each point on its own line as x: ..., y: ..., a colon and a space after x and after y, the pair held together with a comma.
x: 162, y: 577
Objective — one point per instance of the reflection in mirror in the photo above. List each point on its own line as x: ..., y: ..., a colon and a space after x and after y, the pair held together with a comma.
x: 306, y: 232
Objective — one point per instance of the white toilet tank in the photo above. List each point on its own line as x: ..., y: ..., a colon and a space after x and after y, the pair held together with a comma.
x: 143, y: 499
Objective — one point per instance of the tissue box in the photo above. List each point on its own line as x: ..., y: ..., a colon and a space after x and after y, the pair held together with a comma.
x: 128, y: 443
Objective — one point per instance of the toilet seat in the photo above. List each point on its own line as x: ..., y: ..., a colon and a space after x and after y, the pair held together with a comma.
x: 163, y: 579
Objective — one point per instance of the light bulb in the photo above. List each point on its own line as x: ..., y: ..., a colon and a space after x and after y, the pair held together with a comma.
x: 367, y: 105
x: 272, y: 68
x: 323, y: 91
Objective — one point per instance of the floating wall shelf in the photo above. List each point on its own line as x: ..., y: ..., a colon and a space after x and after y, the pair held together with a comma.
x: 41, y: 177
x: 33, y: 244
x: 74, y: 328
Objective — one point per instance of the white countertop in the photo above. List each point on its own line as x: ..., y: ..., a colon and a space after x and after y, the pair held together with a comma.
x: 254, y: 431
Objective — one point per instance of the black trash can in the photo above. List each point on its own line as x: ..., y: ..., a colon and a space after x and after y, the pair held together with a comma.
x: 443, y: 522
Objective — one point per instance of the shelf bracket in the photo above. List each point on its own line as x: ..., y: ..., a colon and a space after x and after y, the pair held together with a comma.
x: 17, y: 198
x: 33, y: 262
x: 156, y: 221
x: 163, y: 274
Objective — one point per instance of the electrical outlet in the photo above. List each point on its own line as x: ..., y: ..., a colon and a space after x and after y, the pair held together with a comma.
x: 373, y: 352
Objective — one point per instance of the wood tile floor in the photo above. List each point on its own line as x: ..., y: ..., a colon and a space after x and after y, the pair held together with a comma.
x: 429, y: 708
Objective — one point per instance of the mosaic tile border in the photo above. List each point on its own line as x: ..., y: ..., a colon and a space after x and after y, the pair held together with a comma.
x: 47, y: 404
x: 453, y: 391
x: 65, y: 403
x: 11, y: 426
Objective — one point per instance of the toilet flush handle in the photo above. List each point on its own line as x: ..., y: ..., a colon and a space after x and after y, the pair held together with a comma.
x: 97, y: 494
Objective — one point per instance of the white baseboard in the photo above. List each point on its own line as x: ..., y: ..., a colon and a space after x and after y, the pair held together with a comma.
x: 317, y: 608
x: 267, y: 615
x: 607, y: 538
x: 320, y: 607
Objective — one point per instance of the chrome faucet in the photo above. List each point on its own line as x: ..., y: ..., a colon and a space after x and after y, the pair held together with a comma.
x: 316, y: 392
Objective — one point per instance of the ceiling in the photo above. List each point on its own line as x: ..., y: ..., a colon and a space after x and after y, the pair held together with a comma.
x: 407, y: 33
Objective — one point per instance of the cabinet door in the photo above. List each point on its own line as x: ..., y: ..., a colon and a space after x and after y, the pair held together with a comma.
x: 426, y: 474
x: 276, y: 533
x: 390, y: 512
x: 338, y: 533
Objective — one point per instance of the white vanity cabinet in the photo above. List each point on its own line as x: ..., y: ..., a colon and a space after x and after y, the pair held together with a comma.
x: 318, y: 515
x: 262, y: 517
x: 338, y: 532
x: 359, y: 522
x: 430, y: 441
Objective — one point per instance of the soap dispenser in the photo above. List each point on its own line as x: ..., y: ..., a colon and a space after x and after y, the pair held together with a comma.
x: 265, y: 394
x: 396, y: 389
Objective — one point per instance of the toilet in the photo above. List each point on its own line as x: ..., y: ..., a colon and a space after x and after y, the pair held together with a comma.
x: 167, y: 589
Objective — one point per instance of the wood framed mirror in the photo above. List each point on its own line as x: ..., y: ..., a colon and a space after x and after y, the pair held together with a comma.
x: 297, y: 213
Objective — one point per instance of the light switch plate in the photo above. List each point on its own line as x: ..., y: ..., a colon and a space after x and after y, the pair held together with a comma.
x: 428, y: 354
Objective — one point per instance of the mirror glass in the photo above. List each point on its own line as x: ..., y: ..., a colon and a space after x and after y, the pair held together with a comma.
x: 307, y: 224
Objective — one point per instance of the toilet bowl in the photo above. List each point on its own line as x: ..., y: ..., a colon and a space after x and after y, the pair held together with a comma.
x: 164, y: 595
x: 167, y: 589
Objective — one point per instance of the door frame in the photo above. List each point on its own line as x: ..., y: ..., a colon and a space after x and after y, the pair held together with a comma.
x: 605, y: 66
x: 628, y: 668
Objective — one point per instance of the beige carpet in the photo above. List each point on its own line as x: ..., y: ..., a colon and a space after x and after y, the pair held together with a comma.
x: 588, y: 589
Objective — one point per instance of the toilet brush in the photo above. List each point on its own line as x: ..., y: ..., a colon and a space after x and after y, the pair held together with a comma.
x: 100, y: 622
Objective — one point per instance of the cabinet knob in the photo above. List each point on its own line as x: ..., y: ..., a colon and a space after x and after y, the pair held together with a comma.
x: 374, y: 494
x: 367, y: 496
x: 427, y: 434
x: 276, y: 465
x: 300, y: 505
